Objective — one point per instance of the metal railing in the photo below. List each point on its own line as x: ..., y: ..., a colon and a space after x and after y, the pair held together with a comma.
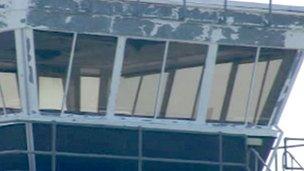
x: 289, y: 161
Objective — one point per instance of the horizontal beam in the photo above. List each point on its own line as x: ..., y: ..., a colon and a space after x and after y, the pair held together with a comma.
x: 145, y: 123
x: 108, y: 156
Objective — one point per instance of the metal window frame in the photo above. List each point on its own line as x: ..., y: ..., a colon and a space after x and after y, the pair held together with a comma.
x: 110, y: 117
x: 286, y: 90
x: 18, y: 78
x: 53, y: 152
x: 27, y: 75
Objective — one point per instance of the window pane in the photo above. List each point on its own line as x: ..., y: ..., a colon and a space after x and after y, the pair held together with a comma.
x: 231, y: 84
x: 52, y: 57
x: 140, y: 77
x: 52, y: 88
x: 91, y: 71
x: 274, y: 67
x: 8, y: 74
x: 91, y: 74
x: 184, y: 69
x: 89, y: 94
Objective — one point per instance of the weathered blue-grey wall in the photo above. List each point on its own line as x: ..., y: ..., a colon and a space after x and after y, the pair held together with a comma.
x: 12, y: 14
x: 169, y: 22
x: 4, y: 6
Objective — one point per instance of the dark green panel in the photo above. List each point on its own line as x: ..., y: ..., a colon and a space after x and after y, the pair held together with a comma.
x: 43, y: 162
x: 263, y: 150
x: 234, y: 149
x: 166, y: 166
x: 95, y: 164
x: 14, y: 162
x: 98, y: 140
x: 181, y: 145
x: 15, y: 138
x: 234, y: 168
x: 42, y: 137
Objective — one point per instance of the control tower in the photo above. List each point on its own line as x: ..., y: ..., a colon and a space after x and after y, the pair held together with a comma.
x: 144, y: 85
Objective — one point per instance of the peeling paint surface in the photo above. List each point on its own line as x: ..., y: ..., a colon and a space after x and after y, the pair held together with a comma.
x: 165, y: 21
x: 157, y: 20
x: 12, y: 14
x: 294, y: 38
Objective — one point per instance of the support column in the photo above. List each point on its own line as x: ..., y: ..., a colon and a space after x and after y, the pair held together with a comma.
x: 27, y: 84
x: 118, y: 63
x: 202, y: 105
x: 30, y: 146
x: 27, y: 76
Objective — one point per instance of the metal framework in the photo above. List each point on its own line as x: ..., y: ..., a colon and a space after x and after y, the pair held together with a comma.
x: 27, y: 78
x: 29, y: 92
x: 140, y: 158
x: 30, y: 110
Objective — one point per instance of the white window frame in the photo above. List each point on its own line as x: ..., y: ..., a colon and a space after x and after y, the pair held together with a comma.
x: 29, y: 93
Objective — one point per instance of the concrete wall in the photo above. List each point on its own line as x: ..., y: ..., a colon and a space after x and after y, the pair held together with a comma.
x: 165, y: 21
x: 13, y: 14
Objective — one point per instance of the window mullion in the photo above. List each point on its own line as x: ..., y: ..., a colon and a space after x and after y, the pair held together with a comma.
x: 161, y: 83
x: 252, y: 84
x: 2, y: 99
x: 25, y: 52
x: 68, y: 78
x: 204, y: 93
x: 118, y: 63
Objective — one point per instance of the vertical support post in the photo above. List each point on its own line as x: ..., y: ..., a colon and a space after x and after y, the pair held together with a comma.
x: 2, y: 100
x: 30, y: 146
x: 118, y: 62
x: 276, y: 161
x: 252, y: 84
x: 225, y: 5
x: 27, y: 77
x: 54, y: 136
x: 184, y: 12
x: 256, y: 163
x: 160, y: 87
x: 140, y: 149
x: 275, y: 147
x: 202, y: 105
x: 221, y: 150
x: 104, y: 84
x: 137, y: 95
x: 270, y: 7
x: 66, y: 88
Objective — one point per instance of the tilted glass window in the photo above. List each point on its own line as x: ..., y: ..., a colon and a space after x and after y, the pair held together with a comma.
x: 91, y: 71
x: 91, y: 74
x: 231, y: 84
x: 140, y: 77
x: 230, y: 100
x: 140, y: 86
x: 9, y: 88
x: 273, y: 68
x: 183, y: 74
x: 52, y: 58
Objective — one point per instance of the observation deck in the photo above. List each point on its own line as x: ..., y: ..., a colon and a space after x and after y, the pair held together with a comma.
x: 144, y: 85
